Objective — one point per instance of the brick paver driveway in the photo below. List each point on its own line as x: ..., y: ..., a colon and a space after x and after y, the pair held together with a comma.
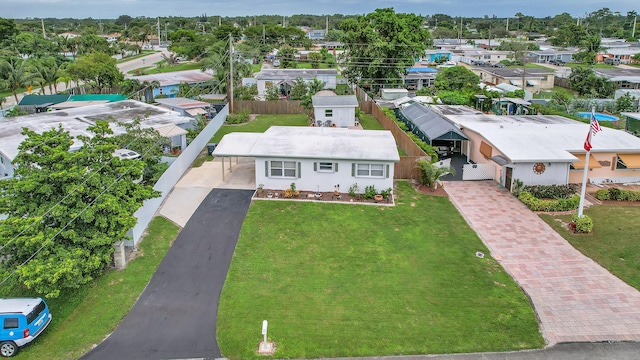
x: 575, y: 298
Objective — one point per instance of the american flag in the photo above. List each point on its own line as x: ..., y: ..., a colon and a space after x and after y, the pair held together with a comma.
x: 595, y: 125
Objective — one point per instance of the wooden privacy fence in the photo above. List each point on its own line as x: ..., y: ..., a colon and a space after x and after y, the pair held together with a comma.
x: 269, y: 107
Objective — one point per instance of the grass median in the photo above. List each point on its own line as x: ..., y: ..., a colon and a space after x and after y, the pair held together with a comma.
x: 342, y: 280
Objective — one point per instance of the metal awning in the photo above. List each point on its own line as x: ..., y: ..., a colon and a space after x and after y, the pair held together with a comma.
x: 593, y: 163
x: 171, y: 131
x: 501, y: 160
x: 632, y: 161
x: 532, y: 82
x: 516, y: 82
x: 196, y: 111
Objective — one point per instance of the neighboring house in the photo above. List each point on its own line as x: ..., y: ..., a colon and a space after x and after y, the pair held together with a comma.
x: 622, y: 78
x: 315, y: 35
x: 339, y: 111
x: 547, y: 149
x: 316, y: 158
x: 544, y: 56
x: 419, y: 77
x: 285, y: 78
x: 170, y: 82
x: 393, y: 94
x: 485, y: 56
x: 77, y: 120
x: 87, y: 100
x: 536, y: 79
x: 431, y: 55
x: 632, y: 122
x: 185, y: 107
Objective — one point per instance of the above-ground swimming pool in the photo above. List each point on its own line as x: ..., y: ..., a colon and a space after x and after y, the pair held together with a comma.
x: 598, y: 116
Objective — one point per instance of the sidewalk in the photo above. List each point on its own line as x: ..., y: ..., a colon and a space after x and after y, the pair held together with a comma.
x: 575, y: 299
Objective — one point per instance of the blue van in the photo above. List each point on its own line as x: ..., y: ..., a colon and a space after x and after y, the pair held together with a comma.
x: 22, y: 320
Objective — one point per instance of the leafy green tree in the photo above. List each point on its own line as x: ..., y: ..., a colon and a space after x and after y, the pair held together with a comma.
x: 315, y: 58
x: 455, y: 97
x: 66, y: 209
x: 625, y: 103
x: 247, y: 92
x: 272, y: 93
x: 299, y: 89
x: 287, y: 55
x: 589, y: 48
x: 217, y: 59
x: 7, y: 29
x: 148, y: 143
x: 430, y: 174
x: 222, y: 32
x: 457, y: 78
x: 587, y: 83
x: 382, y: 45
x: 563, y: 98
x: 99, y: 69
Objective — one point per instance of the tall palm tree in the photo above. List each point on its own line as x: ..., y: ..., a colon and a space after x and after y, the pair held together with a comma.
x: 15, y: 74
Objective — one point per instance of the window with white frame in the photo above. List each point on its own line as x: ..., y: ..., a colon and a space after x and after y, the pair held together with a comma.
x: 323, y: 166
x: 286, y: 169
x: 369, y: 170
x: 328, y: 113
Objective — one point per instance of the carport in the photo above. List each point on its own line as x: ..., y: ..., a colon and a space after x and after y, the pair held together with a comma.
x: 433, y: 129
x: 235, y: 145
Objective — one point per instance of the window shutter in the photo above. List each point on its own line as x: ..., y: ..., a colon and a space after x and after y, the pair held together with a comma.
x: 336, y: 165
x: 387, y: 170
x: 266, y: 169
x: 315, y: 166
x: 353, y: 169
x: 299, y: 169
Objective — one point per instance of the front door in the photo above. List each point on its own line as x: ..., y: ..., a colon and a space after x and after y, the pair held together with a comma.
x: 507, y: 178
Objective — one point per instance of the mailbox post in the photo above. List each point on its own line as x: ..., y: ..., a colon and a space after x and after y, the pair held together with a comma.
x: 264, y: 329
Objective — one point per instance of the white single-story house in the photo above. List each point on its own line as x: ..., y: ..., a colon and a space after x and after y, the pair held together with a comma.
x: 335, y: 110
x: 547, y: 149
x: 284, y: 79
x: 77, y: 120
x: 316, y: 158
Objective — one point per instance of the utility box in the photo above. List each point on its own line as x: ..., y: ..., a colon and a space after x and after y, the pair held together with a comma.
x: 211, y: 147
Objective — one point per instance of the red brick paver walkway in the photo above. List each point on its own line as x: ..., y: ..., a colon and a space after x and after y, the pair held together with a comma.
x: 575, y: 298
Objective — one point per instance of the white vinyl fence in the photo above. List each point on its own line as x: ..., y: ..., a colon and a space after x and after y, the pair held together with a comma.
x: 170, y: 177
x: 478, y: 172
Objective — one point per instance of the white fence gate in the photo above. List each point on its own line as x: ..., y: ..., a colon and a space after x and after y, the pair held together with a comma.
x: 478, y: 172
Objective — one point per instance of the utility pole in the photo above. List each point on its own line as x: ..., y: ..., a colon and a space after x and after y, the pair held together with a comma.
x: 158, y: 31
x: 44, y: 35
x: 633, y: 32
x: 507, y: 24
x: 230, y: 74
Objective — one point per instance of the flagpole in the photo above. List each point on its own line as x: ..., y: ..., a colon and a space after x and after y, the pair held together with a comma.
x: 586, y: 166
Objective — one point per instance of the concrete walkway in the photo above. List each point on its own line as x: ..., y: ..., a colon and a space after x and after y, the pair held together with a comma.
x: 575, y: 299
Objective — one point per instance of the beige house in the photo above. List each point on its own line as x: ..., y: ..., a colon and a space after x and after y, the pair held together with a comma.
x: 485, y: 56
x: 536, y: 79
x: 546, y: 149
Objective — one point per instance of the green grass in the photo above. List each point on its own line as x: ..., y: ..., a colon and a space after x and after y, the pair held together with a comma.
x: 595, y: 66
x: 201, y: 159
x: 613, y: 242
x: 262, y: 123
x: 369, y: 122
x: 85, y: 316
x: 307, y: 65
x: 256, y: 67
x: 9, y: 93
x: 142, y: 54
x: 339, y: 280
x: 165, y: 69
x: 530, y: 66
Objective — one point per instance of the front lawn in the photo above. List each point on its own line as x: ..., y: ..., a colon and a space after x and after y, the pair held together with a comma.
x: 262, y: 123
x: 165, y: 68
x: 85, y: 316
x: 368, y: 122
x: 613, y: 242
x: 342, y: 280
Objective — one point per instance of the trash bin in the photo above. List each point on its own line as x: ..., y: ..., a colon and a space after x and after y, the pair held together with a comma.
x: 210, y: 148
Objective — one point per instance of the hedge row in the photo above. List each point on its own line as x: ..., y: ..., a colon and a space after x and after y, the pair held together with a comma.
x: 551, y: 191
x: 536, y: 204
x: 618, y: 194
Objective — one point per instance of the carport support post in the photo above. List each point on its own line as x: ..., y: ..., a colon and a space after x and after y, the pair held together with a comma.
x: 222, y: 157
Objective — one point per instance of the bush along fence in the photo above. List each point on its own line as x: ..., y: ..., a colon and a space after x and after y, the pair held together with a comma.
x: 618, y: 194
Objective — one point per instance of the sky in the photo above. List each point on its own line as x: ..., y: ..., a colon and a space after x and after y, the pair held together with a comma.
x: 111, y: 9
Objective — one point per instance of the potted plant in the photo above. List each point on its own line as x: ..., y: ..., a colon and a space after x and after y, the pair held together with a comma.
x: 260, y: 188
x: 269, y: 194
x: 377, y: 197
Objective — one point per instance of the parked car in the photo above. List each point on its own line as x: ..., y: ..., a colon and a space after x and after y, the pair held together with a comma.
x: 480, y: 63
x: 499, y: 65
x: 23, y: 319
x: 557, y: 62
x: 276, y: 63
x: 612, y: 61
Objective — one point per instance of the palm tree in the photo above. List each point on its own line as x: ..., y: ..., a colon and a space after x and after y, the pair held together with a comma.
x: 430, y: 174
x: 15, y: 74
x: 171, y: 60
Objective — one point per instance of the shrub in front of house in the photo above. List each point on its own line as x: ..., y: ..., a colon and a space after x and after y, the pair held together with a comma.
x: 536, y: 204
x: 582, y: 224
x: 551, y: 191
x: 618, y: 194
x: 238, y: 118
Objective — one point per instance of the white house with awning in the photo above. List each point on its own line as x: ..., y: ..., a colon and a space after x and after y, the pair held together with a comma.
x: 548, y: 149
x: 316, y: 158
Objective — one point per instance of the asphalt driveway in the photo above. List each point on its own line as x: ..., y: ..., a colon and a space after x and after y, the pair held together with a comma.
x: 175, y: 316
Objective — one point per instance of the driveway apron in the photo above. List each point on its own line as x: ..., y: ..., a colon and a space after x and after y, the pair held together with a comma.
x: 575, y: 299
x: 175, y: 316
